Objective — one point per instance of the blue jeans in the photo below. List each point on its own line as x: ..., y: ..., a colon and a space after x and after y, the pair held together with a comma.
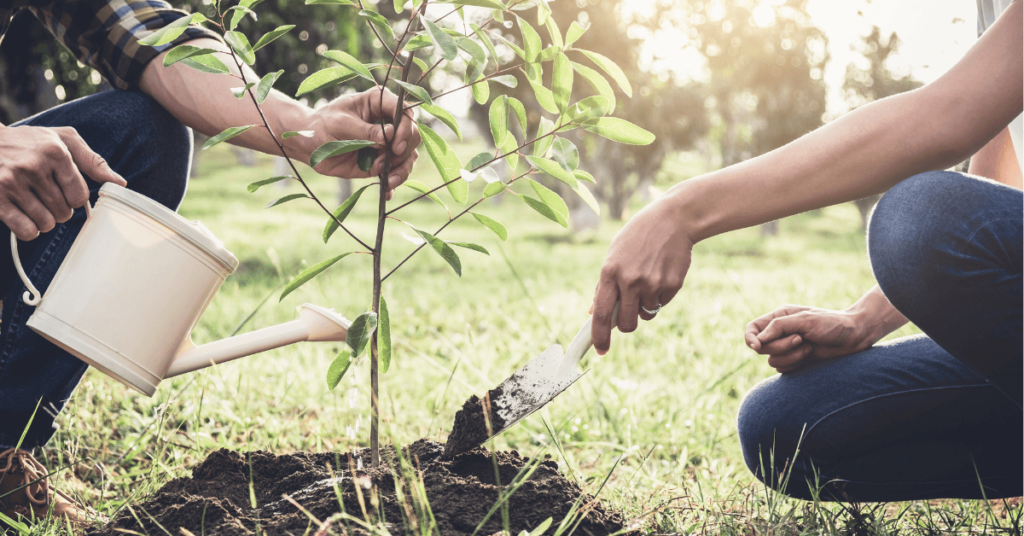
x: 933, y: 416
x: 152, y: 151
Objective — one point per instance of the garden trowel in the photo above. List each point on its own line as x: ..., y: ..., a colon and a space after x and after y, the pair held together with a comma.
x: 532, y: 386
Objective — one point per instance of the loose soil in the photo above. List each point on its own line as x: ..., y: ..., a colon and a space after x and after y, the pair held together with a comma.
x: 470, y: 429
x: 461, y: 491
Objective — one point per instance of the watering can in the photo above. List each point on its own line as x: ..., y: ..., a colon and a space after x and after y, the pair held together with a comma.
x: 133, y: 286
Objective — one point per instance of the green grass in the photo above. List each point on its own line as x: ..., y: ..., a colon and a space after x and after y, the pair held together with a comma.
x: 664, y: 400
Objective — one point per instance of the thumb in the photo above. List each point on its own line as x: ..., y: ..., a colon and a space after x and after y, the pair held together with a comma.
x: 90, y: 163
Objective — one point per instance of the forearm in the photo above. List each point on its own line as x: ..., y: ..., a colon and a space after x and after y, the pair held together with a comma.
x: 870, y: 149
x: 875, y: 315
x: 997, y: 160
x: 204, y: 102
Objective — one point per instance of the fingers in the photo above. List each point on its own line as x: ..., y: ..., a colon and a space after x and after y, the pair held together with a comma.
x: 36, y: 211
x: 400, y: 174
x: 22, y: 226
x: 53, y: 198
x: 781, y: 346
x: 604, y: 303
x: 629, y: 310
x: 89, y: 162
x: 785, y: 325
x: 788, y: 361
x: 650, y: 303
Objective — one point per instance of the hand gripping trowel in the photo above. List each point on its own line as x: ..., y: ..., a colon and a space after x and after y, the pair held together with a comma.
x: 526, y: 391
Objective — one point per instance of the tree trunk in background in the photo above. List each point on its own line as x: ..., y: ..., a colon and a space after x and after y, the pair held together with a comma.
x: 770, y: 229
x: 244, y: 157
x: 344, y: 190
x: 197, y: 145
x: 864, y: 206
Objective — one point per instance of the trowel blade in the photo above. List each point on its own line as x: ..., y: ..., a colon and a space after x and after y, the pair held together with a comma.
x: 533, y: 386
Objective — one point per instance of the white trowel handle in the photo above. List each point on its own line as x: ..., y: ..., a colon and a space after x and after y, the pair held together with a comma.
x: 582, y: 342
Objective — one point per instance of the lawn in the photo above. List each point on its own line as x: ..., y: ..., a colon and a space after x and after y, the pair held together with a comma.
x: 662, y: 403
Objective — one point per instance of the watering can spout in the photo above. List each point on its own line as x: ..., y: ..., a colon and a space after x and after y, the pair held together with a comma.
x: 315, y: 323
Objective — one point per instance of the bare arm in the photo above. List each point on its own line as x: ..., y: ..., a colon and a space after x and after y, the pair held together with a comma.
x: 863, y: 153
x: 204, y: 102
x: 998, y: 161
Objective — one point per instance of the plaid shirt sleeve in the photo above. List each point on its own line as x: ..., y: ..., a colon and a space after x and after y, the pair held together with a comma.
x: 105, y: 34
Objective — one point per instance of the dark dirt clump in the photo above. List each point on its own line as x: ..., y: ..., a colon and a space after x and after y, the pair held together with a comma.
x: 460, y: 491
x: 470, y: 428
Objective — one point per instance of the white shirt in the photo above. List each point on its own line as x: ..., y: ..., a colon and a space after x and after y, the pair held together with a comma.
x: 988, y: 12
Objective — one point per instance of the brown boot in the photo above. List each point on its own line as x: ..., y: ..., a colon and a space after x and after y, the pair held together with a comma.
x: 26, y: 494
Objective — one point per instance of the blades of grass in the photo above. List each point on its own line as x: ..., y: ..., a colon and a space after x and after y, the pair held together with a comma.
x: 526, y: 291
x: 28, y: 425
x: 444, y: 393
x: 516, y: 484
x: 254, y: 311
x: 558, y: 445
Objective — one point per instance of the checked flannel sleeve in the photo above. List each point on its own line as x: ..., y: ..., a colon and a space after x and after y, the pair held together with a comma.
x: 105, y: 34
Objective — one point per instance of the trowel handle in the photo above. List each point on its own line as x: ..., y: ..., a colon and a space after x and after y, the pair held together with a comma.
x: 32, y: 296
x: 582, y: 342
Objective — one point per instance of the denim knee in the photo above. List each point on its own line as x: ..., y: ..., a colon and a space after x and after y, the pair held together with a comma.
x: 769, y: 443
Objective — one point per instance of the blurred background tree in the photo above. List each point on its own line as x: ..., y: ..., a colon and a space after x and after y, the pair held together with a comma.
x: 876, y: 81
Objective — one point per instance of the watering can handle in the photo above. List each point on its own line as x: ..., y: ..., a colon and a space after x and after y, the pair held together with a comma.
x: 32, y: 296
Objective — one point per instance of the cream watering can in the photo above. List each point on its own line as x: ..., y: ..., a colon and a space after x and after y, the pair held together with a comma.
x: 133, y: 286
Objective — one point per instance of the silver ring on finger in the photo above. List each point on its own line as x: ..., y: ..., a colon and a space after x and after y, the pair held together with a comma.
x: 651, y: 312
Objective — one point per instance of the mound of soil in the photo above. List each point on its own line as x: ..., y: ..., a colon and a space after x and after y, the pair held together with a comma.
x: 218, y: 499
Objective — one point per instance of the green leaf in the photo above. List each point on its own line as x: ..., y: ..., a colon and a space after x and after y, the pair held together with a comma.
x: 181, y: 52
x: 378, y: 20
x: 224, y: 136
x: 384, y: 336
x: 584, y: 176
x: 481, y: 92
x: 478, y: 161
x: 574, y: 32
x: 338, y: 368
x: 293, y: 133
x: 207, y: 63
x: 531, y: 41
x: 489, y: 223
x: 399, y: 6
x: 256, y: 185
x: 543, y: 12
x: 442, y: 249
x: 482, y: 35
x: 324, y: 78
x: 244, y: 7
x: 546, y: 211
x: 446, y: 162
x: 171, y: 31
x: 424, y: 189
x: 619, y: 130
x: 240, y: 92
x: 366, y: 158
x: 550, y: 198
x: 285, y: 199
x: 443, y: 116
x: 609, y: 67
x: 506, y: 80
x: 494, y: 189
x: 509, y: 150
x: 417, y: 42
x: 342, y: 212
x: 469, y: 245
x: 240, y: 44
x: 561, y: 82
x: 475, y: 51
x: 515, y: 48
x: 542, y: 528
x: 554, y: 33
x: 330, y: 2
x: 520, y: 111
x: 597, y: 82
x: 309, y: 273
x: 498, y: 117
x: 443, y: 43
x: 421, y: 64
x: 416, y: 91
x: 335, y: 148
x: 552, y: 168
x: 360, y: 331
x: 587, y: 197
x: 272, y: 36
x: 493, y: 4
x: 543, y: 143
x: 544, y: 96
x: 565, y: 153
x: 266, y: 84
x: 589, y: 108
x: 348, y: 61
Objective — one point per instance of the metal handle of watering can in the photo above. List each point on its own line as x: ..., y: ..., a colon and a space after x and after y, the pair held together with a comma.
x: 32, y: 296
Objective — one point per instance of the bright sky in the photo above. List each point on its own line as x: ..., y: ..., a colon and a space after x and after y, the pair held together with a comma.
x: 934, y: 34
